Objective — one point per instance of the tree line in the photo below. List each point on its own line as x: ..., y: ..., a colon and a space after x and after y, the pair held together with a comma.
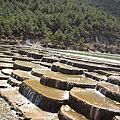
x: 57, y: 21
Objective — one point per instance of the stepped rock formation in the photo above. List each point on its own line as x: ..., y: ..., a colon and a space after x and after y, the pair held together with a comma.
x: 42, y: 83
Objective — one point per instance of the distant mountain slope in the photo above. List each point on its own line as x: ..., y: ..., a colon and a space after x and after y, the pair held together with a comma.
x: 110, y: 6
x: 67, y: 24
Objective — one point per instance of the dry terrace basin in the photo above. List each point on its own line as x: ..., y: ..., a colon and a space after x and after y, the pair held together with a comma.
x: 39, y: 72
x: 92, y: 104
x: 66, y: 69
x: 6, y: 60
x: 21, y: 75
x: 7, y: 71
x: 66, y: 113
x: 89, y: 66
x: 107, y: 73
x: 5, y: 65
x: 114, y: 79
x: 95, y: 76
x: 46, y: 98
x: 109, y: 90
x: 22, y: 58
x: 50, y: 59
x: 66, y: 82
x: 25, y: 65
x: 35, y: 55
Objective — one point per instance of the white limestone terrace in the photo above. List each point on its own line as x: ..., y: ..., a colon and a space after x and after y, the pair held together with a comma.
x: 79, y: 54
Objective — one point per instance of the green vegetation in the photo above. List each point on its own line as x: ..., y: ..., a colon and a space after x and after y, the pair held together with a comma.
x: 63, y: 23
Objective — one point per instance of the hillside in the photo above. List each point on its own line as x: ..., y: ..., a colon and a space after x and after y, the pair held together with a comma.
x: 67, y: 24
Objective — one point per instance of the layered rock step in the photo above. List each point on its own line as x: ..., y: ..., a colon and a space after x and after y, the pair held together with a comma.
x: 107, y: 73
x: 66, y: 82
x: 92, y: 60
x: 13, y: 82
x: 21, y: 75
x: 116, y: 118
x: 46, y: 98
x: 23, y: 51
x: 50, y: 59
x: 24, y: 65
x: 35, y: 55
x: 9, y: 53
x: 45, y: 64
x: 7, y: 71
x: 92, y: 104
x: 114, y: 79
x: 89, y: 66
x: 5, y: 56
x: 24, y: 107
x: 67, y: 113
x: 95, y: 76
x: 22, y: 58
x: 6, y: 60
x: 39, y: 72
x: 66, y: 69
x: 109, y: 90
x: 3, y: 77
x: 6, y: 65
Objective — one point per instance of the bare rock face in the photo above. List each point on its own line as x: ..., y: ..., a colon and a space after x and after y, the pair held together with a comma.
x: 43, y: 96
x: 116, y: 118
x: 114, y: 79
x: 14, y: 82
x: 66, y: 69
x: 109, y: 90
x: 39, y: 72
x: 35, y: 55
x: 95, y: 76
x: 21, y: 58
x: 107, y: 73
x: 21, y: 75
x: 24, y: 65
x: 66, y: 82
x: 3, y: 77
x: 6, y: 65
x: 45, y: 64
x: 92, y: 104
x: 6, y: 71
x: 23, y: 51
x: 49, y: 59
x: 66, y: 113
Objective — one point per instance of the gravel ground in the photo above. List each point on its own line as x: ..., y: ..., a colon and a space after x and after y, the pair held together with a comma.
x: 5, y: 112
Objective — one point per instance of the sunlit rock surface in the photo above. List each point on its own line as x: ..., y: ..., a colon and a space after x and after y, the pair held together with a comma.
x: 66, y: 82
x: 66, y: 113
x: 39, y: 72
x: 109, y: 90
x: 50, y: 59
x: 44, y: 97
x: 22, y: 58
x: 95, y: 76
x: 7, y: 71
x: 45, y: 64
x: 47, y: 77
x: 22, y: 75
x: 116, y: 118
x: 114, y: 79
x: 3, y: 77
x: 6, y: 60
x: 66, y: 69
x: 24, y: 65
x: 107, y: 73
x: 92, y: 104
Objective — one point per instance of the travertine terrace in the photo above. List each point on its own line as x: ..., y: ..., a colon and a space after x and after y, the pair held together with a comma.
x: 46, y: 84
